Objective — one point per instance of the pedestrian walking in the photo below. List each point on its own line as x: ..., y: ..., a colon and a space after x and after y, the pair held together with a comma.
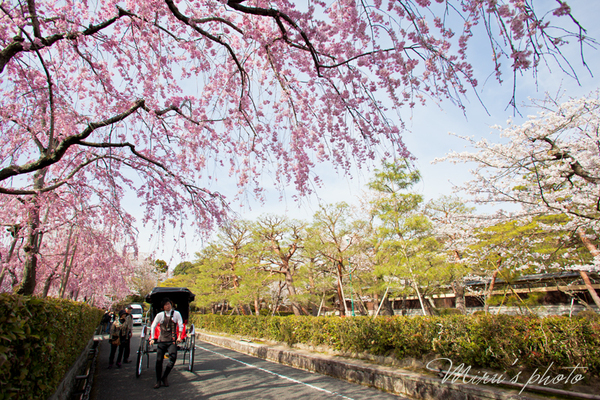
x: 105, y: 322
x: 119, y: 337
x: 129, y: 321
x: 111, y: 319
x: 169, y: 334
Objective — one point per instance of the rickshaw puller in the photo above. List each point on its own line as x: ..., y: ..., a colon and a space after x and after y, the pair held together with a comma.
x: 170, y: 334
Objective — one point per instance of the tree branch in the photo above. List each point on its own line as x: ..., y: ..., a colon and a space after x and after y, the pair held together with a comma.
x: 34, y: 20
x: 51, y: 187
x: 278, y: 16
x: 17, y: 45
x: 190, y: 22
x: 65, y: 144
x: 576, y: 168
x: 191, y: 189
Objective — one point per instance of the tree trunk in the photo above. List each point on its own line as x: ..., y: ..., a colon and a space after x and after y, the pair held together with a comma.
x: 75, y: 294
x: 277, y: 298
x: 586, y: 279
x: 420, y: 297
x: 387, y: 307
x: 416, y: 287
x: 340, y: 290
x: 312, y: 306
x: 256, y: 306
x: 458, y: 288
x: 66, y: 266
x: 590, y: 288
x: 404, y: 305
x: 47, y: 285
x: 3, y: 273
x: 68, y: 272
x: 34, y: 240
x: 49, y: 280
x: 430, y: 304
x: 382, y: 300
x: 31, y: 248
x: 321, y: 305
x: 486, y: 307
x: 362, y: 308
x: 289, y: 281
x: 14, y: 231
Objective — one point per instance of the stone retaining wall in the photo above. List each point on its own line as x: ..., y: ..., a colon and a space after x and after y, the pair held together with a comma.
x: 65, y: 389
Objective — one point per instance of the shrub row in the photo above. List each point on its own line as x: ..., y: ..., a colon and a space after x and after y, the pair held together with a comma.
x: 482, y: 341
x: 40, y: 339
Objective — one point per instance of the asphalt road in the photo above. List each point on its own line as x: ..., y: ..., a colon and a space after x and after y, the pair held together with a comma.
x: 221, y: 374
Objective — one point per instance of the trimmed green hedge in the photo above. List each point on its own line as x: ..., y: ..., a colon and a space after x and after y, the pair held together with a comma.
x: 40, y: 339
x: 484, y: 341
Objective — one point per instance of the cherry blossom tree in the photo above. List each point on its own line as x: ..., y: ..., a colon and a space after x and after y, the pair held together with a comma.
x: 145, y: 275
x: 548, y: 166
x: 77, y: 248
x: 453, y: 224
x: 161, y: 97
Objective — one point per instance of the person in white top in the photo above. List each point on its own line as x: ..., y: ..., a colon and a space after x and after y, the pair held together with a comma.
x: 167, y: 337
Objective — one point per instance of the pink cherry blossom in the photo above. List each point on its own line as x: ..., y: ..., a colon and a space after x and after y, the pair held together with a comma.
x: 159, y: 97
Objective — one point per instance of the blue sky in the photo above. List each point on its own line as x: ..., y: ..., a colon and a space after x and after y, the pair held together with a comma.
x: 427, y: 138
x: 428, y: 127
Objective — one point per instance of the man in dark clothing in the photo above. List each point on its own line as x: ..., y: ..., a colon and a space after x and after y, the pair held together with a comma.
x: 129, y: 319
x: 167, y: 336
x: 106, y: 322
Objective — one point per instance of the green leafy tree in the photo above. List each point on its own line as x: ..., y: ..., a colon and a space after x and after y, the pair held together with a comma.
x: 514, y: 248
x: 183, y: 268
x: 229, y: 259
x: 408, y: 254
x: 279, y: 242
x: 249, y: 282
x: 211, y: 277
x: 161, y: 266
x: 320, y: 285
x: 336, y: 236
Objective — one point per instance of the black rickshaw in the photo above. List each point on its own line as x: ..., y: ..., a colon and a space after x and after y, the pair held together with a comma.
x: 181, y: 298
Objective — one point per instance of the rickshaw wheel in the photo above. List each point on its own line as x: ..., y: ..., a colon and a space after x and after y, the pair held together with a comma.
x: 186, y: 348
x: 146, y: 349
x: 138, y: 365
x: 143, y: 349
x: 192, y: 351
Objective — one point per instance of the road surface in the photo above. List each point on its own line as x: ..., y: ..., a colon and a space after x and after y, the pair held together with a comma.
x: 221, y: 374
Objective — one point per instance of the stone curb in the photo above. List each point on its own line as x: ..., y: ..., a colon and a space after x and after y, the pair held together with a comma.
x: 388, y: 379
